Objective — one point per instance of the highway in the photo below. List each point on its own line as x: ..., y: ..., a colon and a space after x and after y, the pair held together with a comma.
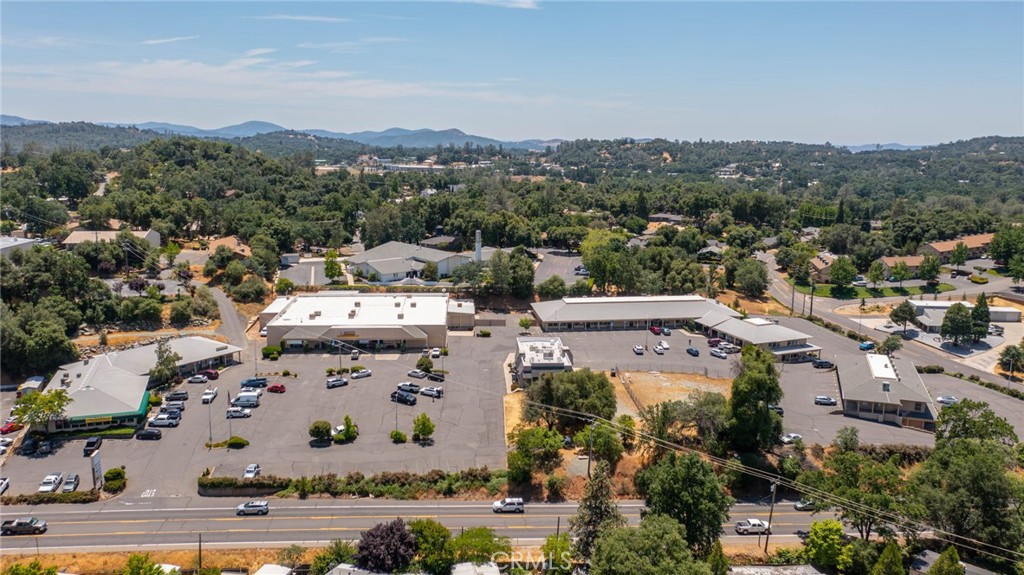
x: 178, y: 523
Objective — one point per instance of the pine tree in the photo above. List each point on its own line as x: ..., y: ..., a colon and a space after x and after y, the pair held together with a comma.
x: 597, y: 511
x: 947, y: 564
x: 718, y: 562
x: 890, y: 562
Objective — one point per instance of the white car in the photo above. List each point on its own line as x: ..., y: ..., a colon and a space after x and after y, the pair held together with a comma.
x: 198, y: 378
x: 210, y: 394
x: 748, y: 526
x: 791, y: 437
x: 238, y: 412
x: 6, y: 441
x: 638, y: 349
x: 719, y: 353
x: 418, y: 374
x: 336, y: 382
x: 432, y: 391
x: 436, y: 352
x: 4, y: 484
x: 164, y: 420
x: 663, y: 344
x: 51, y: 483
x: 361, y: 373
x: 947, y: 400
x: 263, y: 332
x: 251, y: 471
x: 659, y: 350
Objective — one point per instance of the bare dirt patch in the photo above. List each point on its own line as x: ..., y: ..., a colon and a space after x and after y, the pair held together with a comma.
x: 514, y: 407
x: 653, y: 387
x: 1000, y: 302
x: 130, y: 337
x: 876, y: 310
x: 114, y: 562
x: 761, y: 306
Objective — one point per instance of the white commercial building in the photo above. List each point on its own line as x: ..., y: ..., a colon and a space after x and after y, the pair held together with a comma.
x: 887, y: 390
x: 931, y: 313
x: 363, y: 320
x: 536, y: 356
x: 787, y: 344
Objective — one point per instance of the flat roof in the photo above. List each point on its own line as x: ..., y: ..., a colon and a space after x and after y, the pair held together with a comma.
x: 580, y: 309
x: 541, y: 351
x: 351, y: 309
x: 466, y: 306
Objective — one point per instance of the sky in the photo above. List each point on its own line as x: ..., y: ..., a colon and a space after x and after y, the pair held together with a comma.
x: 911, y: 72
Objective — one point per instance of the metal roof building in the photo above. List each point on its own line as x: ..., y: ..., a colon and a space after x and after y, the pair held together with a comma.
x: 887, y: 390
x: 787, y: 344
x: 614, y: 313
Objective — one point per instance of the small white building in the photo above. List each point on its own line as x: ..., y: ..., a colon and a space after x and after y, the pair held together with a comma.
x: 9, y: 244
x: 536, y: 356
x: 81, y: 236
x: 931, y: 313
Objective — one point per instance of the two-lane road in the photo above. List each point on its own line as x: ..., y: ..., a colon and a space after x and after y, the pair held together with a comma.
x: 178, y: 523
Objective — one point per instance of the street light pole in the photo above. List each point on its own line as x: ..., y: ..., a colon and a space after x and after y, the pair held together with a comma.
x: 770, y: 514
x: 590, y: 447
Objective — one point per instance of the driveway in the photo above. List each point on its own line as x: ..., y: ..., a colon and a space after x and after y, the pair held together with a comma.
x: 557, y: 263
x: 308, y: 272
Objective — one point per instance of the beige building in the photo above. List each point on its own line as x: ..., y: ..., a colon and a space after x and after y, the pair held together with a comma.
x: 890, y: 262
x: 977, y: 245
x: 887, y: 390
x: 536, y: 356
x: 821, y: 266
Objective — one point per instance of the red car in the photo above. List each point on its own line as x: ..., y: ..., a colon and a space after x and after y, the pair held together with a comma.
x: 210, y: 373
x: 10, y: 428
x: 276, y: 388
x: 655, y: 330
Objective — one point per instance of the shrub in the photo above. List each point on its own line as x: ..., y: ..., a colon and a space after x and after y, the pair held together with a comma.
x: 114, y: 474
x: 90, y: 496
x: 115, y: 486
x: 979, y: 279
x: 930, y: 369
x: 444, y: 351
x: 398, y: 437
x: 260, y: 481
x: 271, y: 350
x: 484, y: 333
x: 330, y: 371
x: 908, y: 454
x: 155, y: 400
x: 274, y: 357
x: 235, y: 442
x: 556, y: 483
x: 286, y: 373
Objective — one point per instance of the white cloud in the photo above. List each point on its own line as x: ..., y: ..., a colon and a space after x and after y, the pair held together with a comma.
x: 22, y: 41
x: 356, y: 46
x: 517, y: 4
x: 260, y: 51
x: 300, y: 18
x: 168, y: 40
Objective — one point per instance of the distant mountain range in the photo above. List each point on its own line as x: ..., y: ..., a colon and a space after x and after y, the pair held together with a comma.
x: 424, y: 138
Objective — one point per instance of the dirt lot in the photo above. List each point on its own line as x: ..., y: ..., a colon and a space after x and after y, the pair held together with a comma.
x: 128, y: 337
x: 652, y: 387
x: 114, y: 562
x: 762, y: 306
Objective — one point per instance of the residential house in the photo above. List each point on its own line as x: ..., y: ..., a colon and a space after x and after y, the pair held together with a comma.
x: 239, y: 249
x: 890, y: 262
x: 666, y: 218
x: 977, y: 245
x: 821, y: 266
x: 887, y: 390
x: 81, y: 236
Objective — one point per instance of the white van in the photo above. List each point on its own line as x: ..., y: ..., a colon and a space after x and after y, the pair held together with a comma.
x: 508, y: 505
x: 246, y: 400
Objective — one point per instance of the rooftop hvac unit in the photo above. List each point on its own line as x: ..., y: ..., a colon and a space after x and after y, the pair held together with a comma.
x: 357, y: 303
x: 398, y: 304
x: 458, y: 304
x: 885, y: 386
x: 412, y: 304
x: 401, y: 316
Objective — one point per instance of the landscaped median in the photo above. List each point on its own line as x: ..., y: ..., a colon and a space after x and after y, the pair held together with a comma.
x: 394, y: 485
x: 850, y: 292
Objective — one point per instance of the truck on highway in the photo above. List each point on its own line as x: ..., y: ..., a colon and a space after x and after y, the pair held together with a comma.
x: 23, y: 526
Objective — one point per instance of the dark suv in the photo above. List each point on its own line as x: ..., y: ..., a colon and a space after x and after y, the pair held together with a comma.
x: 91, y: 445
x: 822, y: 364
x: 435, y: 376
x: 403, y: 397
x: 254, y: 382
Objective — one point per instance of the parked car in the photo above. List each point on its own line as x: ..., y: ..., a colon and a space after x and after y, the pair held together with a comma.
x: 180, y: 395
x: 251, y: 471
x: 693, y: 351
x: 418, y: 374
x: 172, y: 412
x: 638, y: 349
x: 656, y: 330
x: 947, y: 400
x: 10, y: 428
x: 408, y: 386
x: 263, y: 332
x: 210, y: 394
x: 435, y: 353
x: 752, y: 526
x: 719, y: 353
x: 867, y: 345
x: 333, y: 382
x: 277, y: 388
x: 210, y: 373
x: 659, y: 350
x: 822, y: 364
x: 164, y: 420
x: 403, y: 397
x: 198, y: 378
x: 776, y: 408
x: 666, y: 331
x: 355, y: 354
x: 583, y: 272
x: 729, y: 347
x: 791, y: 437
x: 253, y: 508
x: 824, y: 400
x: 432, y: 391
x: 426, y: 352
x: 254, y: 382
x: 804, y: 505
x: 237, y: 412
x: 51, y: 483
x: 663, y: 343
x: 71, y: 483
x: 508, y: 505
x: 361, y: 373
x: 436, y: 376
x: 5, y: 484
x: 148, y: 433
x: 91, y: 445
x: 714, y: 342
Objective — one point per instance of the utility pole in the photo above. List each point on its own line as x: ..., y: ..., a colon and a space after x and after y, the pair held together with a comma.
x: 590, y: 447
x: 770, y: 514
x: 200, y: 551
x: 812, y: 298
x: 792, y: 300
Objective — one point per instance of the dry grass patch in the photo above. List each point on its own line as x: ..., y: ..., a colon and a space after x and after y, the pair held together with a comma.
x: 653, y: 387
x: 114, y: 562
x: 1002, y: 302
x: 761, y: 306
x: 515, y: 407
x: 130, y: 337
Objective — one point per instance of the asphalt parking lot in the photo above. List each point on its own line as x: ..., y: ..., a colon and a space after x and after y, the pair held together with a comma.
x: 1004, y: 406
x: 308, y: 273
x: 603, y: 350
x: 557, y: 263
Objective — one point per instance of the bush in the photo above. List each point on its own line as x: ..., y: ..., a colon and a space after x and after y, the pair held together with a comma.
x: 398, y: 437
x: 330, y: 371
x: 235, y: 442
x: 115, y: 486
x: 114, y: 474
x: 556, y: 483
x: 930, y: 369
x: 270, y: 350
x: 260, y: 481
x: 484, y: 333
x: 155, y: 400
x: 286, y: 373
x: 251, y: 290
x: 979, y: 279
x: 908, y: 454
x: 274, y: 357
x: 90, y: 496
x: 444, y: 351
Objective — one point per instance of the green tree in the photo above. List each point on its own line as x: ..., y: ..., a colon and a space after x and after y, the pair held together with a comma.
x: 320, y: 430
x: 331, y: 556
x: 751, y: 424
x: 500, y: 280
x: 959, y: 255
x: 433, y: 546
x: 234, y: 272
x: 1011, y: 358
x: 552, y: 288
x: 580, y: 287
x: 222, y: 256
x: 890, y: 562
x: 981, y: 317
x: 901, y: 272
x: 478, y: 545
x: 825, y: 547
x: 751, y: 278
x: 581, y: 390
x: 33, y: 568
x: 425, y: 364
x: 291, y: 556
x: 596, y: 513
x: 332, y: 268
x: 948, y: 563
x: 603, y: 440
x: 423, y: 427
x: 876, y: 273
x: 430, y: 271
x: 166, y: 368
x: 957, y: 325
x: 969, y: 419
x: 557, y: 551
x: 181, y: 312
x: 929, y: 269
x: 875, y: 490
x: 717, y: 561
x: 1015, y: 268
x: 685, y: 488
x: 284, y: 286
x: 657, y: 547
x: 847, y: 439
x: 903, y: 314
x: 140, y: 564
x: 891, y: 344
x: 521, y: 274
x: 525, y: 322
x: 842, y: 272
x: 537, y: 447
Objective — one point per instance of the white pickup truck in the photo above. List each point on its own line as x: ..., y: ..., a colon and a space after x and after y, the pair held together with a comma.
x: 752, y: 526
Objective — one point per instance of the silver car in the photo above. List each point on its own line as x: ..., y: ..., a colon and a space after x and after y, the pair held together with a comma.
x: 253, y: 508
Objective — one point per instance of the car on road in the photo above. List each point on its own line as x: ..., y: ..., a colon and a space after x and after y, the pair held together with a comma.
x: 164, y: 420
x: 5, y: 484
x: 409, y: 387
x: 508, y: 505
x: 361, y: 373
x: 253, y: 508
x: 791, y: 437
x: 153, y: 434
x: 659, y: 350
x: 825, y: 400
x: 693, y: 351
x: 435, y: 376
x: 10, y: 428
x: 71, y: 483
x: 752, y: 526
x: 804, y: 505
x: 435, y: 353
x: 638, y: 349
x: 251, y: 471
x: 656, y: 330
x: 198, y: 378
x: 210, y: 394
x: 237, y: 413
x: 23, y: 526
x: 51, y: 483
x: 210, y: 373
x: 432, y: 391
x: 418, y: 374
x: 866, y: 345
x: 859, y: 283
x: 719, y: 353
x: 947, y: 400
x: 776, y: 408
x: 333, y: 382
x: 403, y: 397
x: 91, y: 445
x: 254, y: 382
x: 277, y: 388
x: 822, y: 364
x: 180, y: 395
x: 663, y: 343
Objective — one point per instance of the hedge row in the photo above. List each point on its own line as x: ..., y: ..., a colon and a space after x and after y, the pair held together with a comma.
x: 90, y: 496
x: 855, y: 336
x: 930, y: 369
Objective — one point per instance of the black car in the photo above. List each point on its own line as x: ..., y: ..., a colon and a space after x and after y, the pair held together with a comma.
x: 435, y: 376
x: 149, y: 433
x: 91, y: 445
x: 822, y: 364
x: 403, y: 397
x: 177, y: 396
x: 776, y: 408
x: 409, y: 387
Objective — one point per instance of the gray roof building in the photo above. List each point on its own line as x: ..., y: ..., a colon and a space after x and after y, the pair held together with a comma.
x: 9, y: 244
x: 624, y: 312
x: 787, y: 344
x: 887, y: 390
